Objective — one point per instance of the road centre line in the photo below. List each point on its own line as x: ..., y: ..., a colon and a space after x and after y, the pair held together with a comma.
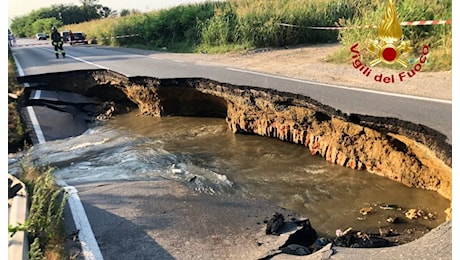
x: 81, y: 60
x: 90, y: 63
x: 344, y: 87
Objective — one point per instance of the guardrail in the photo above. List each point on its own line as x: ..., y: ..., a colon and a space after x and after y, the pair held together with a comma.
x: 18, y: 245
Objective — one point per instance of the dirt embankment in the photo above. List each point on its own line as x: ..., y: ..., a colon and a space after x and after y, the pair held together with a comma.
x: 402, y: 151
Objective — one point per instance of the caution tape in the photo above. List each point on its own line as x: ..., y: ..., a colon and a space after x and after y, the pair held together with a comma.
x: 116, y: 37
x: 429, y: 22
x: 31, y: 44
x: 412, y: 23
x: 79, y: 41
x: 126, y: 36
x: 342, y: 28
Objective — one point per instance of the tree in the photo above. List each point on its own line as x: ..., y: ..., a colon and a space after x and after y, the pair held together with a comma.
x: 69, y: 14
x: 45, y: 24
x: 93, y: 10
x: 126, y: 12
x: 105, y: 12
x: 90, y: 9
x: 17, y: 26
x: 29, y: 25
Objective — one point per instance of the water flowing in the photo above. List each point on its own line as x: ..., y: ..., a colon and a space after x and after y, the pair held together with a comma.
x: 205, y: 155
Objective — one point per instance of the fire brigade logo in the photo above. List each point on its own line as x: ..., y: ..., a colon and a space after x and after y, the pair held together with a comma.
x: 390, y: 46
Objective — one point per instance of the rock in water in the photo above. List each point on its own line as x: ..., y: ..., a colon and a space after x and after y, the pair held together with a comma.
x: 305, y: 236
x: 294, y: 249
x: 274, y: 224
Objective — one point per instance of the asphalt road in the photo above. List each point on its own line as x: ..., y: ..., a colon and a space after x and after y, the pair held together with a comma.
x: 164, y: 220
x: 36, y: 57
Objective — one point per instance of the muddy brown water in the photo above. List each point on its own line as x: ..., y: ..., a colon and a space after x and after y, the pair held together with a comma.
x: 208, y: 157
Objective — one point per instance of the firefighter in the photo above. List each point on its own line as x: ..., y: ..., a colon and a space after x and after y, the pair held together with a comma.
x: 57, y: 41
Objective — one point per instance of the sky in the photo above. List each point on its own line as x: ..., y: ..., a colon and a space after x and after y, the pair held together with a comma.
x: 23, y: 7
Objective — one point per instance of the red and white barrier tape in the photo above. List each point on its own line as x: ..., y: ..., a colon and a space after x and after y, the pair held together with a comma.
x: 429, y: 22
x: 412, y: 23
x: 342, y: 28
x: 124, y: 36
x: 31, y: 44
x: 77, y: 41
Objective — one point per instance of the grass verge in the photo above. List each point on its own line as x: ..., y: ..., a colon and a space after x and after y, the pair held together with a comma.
x: 45, y: 221
x: 18, y: 136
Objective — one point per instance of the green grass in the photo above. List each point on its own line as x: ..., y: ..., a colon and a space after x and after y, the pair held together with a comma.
x: 17, y: 133
x: 45, y: 221
x: 437, y: 37
x: 239, y: 25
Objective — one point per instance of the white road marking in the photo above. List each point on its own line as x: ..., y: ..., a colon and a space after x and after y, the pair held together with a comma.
x: 89, y: 246
x: 343, y: 87
x: 36, y: 94
x: 36, y: 125
x: 88, y: 62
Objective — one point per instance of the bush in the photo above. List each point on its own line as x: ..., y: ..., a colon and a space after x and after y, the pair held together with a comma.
x: 235, y: 25
x: 261, y: 23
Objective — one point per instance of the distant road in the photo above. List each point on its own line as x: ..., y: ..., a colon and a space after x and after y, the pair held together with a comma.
x: 36, y: 57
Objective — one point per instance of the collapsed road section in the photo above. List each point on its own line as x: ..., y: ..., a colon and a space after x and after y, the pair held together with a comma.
x: 412, y: 154
x: 61, y: 114
x: 54, y: 108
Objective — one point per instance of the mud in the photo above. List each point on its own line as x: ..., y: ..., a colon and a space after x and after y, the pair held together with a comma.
x: 412, y: 154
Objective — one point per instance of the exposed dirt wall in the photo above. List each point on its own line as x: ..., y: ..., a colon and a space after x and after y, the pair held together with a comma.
x: 414, y: 155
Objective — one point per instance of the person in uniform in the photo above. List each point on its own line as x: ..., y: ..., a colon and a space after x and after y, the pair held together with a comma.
x: 57, y: 42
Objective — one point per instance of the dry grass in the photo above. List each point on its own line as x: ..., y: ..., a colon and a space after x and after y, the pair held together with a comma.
x: 45, y: 222
x: 17, y: 134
